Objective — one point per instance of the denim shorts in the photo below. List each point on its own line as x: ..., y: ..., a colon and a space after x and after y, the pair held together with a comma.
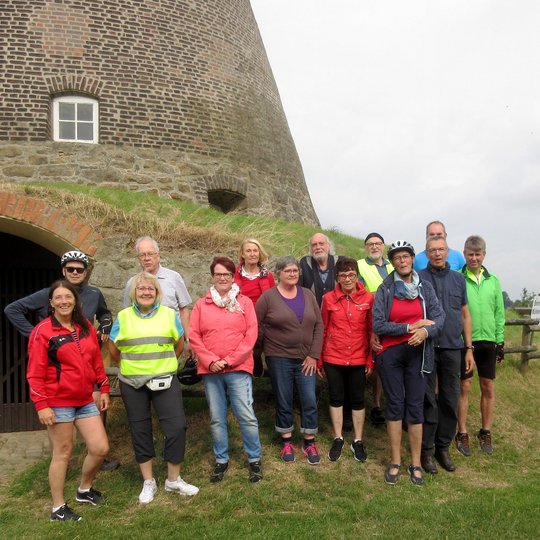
x: 70, y: 414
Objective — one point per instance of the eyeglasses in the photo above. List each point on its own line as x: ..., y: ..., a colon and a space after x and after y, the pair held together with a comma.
x: 225, y: 275
x: 432, y: 251
x: 148, y: 254
x: 374, y: 244
x: 402, y: 258
x: 74, y: 270
x: 350, y: 275
x: 291, y: 272
x: 145, y: 289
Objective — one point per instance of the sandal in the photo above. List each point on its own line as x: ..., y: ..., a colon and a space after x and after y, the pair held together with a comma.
x: 389, y: 478
x: 416, y: 480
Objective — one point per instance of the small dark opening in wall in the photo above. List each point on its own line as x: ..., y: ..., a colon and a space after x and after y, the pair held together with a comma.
x: 225, y: 200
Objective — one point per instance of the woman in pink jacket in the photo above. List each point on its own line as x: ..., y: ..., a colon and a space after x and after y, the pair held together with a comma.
x: 346, y: 354
x: 223, y: 330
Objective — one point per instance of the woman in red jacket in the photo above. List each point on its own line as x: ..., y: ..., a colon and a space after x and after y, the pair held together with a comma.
x: 64, y: 366
x: 346, y: 354
x: 253, y: 278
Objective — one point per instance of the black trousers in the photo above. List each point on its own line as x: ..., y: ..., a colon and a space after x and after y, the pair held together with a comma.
x: 441, y: 400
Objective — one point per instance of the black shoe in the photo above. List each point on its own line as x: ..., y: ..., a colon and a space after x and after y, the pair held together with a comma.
x: 391, y: 479
x: 426, y: 459
x: 335, y: 452
x: 416, y: 480
x: 443, y: 457
x: 109, y: 465
x: 377, y: 417
x: 218, y: 472
x: 358, y: 450
x: 255, y: 472
x: 93, y: 496
x: 485, y: 441
x: 65, y: 513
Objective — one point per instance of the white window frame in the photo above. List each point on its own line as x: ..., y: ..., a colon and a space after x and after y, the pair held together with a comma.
x: 75, y: 99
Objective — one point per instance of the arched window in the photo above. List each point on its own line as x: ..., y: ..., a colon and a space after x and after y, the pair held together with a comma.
x: 75, y: 119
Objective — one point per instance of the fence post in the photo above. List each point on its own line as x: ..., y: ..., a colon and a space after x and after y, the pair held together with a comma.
x: 526, y: 341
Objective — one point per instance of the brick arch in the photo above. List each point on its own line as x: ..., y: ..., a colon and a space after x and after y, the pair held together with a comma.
x: 74, y: 83
x: 225, y: 182
x: 45, y: 225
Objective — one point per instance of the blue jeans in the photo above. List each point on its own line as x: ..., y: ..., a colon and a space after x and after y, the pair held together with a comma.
x: 284, y: 373
x: 238, y: 386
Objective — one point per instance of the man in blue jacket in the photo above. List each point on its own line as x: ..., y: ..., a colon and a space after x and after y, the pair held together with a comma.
x: 443, y: 385
x: 455, y: 259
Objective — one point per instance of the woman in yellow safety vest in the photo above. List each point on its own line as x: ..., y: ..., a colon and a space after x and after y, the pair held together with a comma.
x: 147, y: 339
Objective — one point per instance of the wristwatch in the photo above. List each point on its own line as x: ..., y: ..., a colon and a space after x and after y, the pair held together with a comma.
x: 470, y: 347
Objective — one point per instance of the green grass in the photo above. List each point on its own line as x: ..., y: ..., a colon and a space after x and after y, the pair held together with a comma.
x: 491, y: 497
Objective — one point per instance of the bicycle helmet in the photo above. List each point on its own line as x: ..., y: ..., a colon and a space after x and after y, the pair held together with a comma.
x: 74, y: 256
x: 188, y: 374
x: 400, y: 245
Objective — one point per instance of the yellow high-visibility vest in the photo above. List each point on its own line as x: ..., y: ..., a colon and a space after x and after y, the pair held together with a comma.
x: 370, y: 275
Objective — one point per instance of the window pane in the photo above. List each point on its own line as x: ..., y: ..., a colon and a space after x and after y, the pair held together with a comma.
x: 85, y: 132
x: 67, y: 130
x: 85, y: 111
x: 67, y: 111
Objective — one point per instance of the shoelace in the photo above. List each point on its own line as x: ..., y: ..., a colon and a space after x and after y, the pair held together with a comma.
x: 311, y: 449
x: 288, y: 448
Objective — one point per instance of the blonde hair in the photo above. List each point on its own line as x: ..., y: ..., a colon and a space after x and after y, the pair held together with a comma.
x: 144, y: 276
x: 263, y: 256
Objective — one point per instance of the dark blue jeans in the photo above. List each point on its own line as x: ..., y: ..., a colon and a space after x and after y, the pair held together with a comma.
x: 284, y: 374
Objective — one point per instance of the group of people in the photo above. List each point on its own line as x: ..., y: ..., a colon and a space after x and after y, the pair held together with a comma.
x: 414, y: 326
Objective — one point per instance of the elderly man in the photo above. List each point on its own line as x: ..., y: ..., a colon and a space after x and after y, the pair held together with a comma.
x: 436, y: 229
x: 371, y: 272
x: 487, y: 312
x: 318, y: 267
x: 175, y: 294
x: 443, y: 386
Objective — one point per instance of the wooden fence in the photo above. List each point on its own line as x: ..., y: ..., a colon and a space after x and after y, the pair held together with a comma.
x: 527, y: 349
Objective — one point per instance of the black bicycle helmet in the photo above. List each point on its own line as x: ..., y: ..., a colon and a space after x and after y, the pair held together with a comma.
x: 188, y: 374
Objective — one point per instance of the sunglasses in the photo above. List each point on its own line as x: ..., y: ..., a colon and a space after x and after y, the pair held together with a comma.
x: 75, y: 270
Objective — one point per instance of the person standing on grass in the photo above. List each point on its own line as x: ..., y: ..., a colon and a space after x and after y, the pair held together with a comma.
x: 487, y: 312
x: 442, y: 393
x: 291, y: 333
x: 407, y: 317
x: 436, y: 229
x: 372, y: 270
x: 64, y: 366
x: 224, y: 330
x: 346, y: 355
x: 175, y: 294
x: 253, y: 278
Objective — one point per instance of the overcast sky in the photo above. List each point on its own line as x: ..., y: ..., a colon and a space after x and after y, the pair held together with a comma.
x: 407, y: 112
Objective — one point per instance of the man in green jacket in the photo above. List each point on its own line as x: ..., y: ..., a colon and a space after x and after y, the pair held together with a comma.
x: 487, y: 312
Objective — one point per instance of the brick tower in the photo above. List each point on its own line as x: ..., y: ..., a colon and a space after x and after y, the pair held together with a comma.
x: 171, y: 96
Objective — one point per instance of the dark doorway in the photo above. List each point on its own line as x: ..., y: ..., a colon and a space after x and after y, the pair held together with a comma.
x: 25, y: 267
x: 225, y: 200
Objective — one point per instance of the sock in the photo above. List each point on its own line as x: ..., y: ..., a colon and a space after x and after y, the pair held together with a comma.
x: 307, y: 442
x: 485, y: 431
x: 81, y: 490
x: 56, y: 508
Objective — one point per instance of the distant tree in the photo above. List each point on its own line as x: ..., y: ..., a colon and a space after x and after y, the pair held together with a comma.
x: 526, y: 299
x: 508, y: 302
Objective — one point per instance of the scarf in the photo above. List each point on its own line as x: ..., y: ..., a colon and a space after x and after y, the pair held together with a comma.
x: 263, y: 272
x: 229, y: 302
x: 406, y: 291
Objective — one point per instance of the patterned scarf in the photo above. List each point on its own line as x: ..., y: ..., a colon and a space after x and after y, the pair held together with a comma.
x: 229, y: 302
x: 263, y: 271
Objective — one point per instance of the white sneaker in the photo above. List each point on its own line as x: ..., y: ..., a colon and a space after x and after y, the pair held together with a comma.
x: 148, y: 491
x: 179, y: 486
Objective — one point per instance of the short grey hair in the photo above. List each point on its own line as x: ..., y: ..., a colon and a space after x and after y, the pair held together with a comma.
x: 283, y: 262
x: 436, y: 239
x: 146, y: 239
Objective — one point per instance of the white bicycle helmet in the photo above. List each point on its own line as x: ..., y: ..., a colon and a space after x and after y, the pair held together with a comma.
x: 72, y: 256
x: 400, y: 245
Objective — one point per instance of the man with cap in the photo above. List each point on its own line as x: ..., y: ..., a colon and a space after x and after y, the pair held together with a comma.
x: 173, y: 288
x: 436, y: 229
x: 371, y: 272
x: 74, y: 266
